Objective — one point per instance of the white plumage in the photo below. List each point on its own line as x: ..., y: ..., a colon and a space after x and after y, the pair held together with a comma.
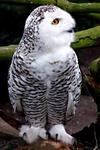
x: 44, y: 76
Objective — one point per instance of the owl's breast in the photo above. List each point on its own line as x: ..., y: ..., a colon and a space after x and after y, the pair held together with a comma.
x: 52, y: 64
x: 49, y: 70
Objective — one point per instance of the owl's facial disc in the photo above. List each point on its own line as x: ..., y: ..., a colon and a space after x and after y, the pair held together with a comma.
x: 57, y: 29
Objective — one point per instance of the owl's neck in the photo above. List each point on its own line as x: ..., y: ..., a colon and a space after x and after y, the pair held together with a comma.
x: 57, y: 54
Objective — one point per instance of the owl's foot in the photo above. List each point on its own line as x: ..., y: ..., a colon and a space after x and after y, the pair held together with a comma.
x: 31, y: 134
x: 58, y: 133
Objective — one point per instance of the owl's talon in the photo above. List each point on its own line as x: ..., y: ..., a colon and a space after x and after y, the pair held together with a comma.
x: 24, y: 135
x: 48, y: 134
x: 56, y: 137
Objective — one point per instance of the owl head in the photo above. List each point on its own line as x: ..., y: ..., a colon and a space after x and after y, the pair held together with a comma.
x: 48, y: 27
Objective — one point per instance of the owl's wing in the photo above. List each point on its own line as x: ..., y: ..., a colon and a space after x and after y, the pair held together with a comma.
x: 27, y: 91
x: 16, y: 82
x: 74, y: 90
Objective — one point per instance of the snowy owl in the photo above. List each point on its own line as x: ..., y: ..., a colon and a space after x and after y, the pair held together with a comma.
x: 44, y: 75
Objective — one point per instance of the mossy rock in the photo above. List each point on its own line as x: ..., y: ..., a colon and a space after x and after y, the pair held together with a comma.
x: 95, y: 69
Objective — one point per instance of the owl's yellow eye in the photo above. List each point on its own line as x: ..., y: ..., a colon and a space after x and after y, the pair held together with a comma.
x: 55, y: 21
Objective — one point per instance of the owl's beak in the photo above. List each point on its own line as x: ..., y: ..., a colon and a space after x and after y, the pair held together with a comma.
x: 70, y: 30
